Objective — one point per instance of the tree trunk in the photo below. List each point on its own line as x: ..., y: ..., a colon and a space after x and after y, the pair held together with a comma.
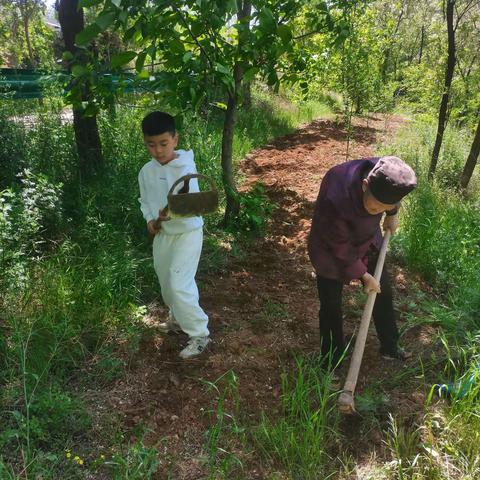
x: 233, y: 205
x: 422, y: 40
x: 385, y: 64
x: 247, y: 95
x: 14, y: 60
x: 26, y: 21
x: 442, y: 114
x: 471, y: 160
x: 388, y: 52
x: 87, y: 137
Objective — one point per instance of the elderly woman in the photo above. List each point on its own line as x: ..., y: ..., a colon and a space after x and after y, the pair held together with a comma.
x: 345, y: 239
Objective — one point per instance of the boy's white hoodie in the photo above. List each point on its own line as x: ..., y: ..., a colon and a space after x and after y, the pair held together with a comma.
x: 155, y: 181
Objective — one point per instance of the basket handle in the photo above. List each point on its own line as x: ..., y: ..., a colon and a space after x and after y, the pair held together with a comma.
x: 190, y: 176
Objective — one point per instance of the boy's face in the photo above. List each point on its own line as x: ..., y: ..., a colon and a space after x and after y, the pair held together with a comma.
x: 161, y: 147
x: 371, y: 204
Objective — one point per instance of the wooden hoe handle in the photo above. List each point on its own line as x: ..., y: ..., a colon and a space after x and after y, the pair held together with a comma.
x: 346, y: 403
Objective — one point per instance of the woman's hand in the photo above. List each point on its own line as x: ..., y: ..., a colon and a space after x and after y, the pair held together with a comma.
x: 370, y: 284
x: 391, y: 223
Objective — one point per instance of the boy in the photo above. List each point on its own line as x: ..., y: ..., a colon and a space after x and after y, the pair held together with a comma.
x: 344, y: 242
x: 177, y: 243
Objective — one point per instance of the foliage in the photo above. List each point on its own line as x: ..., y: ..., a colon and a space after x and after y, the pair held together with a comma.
x: 76, y: 274
x: 255, y: 211
x: 226, y: 430
x: 75, y: 259
x: 440, y: 227
x: 139, y: 462
x: 29, y: 216
x: 300, y: 437
x: 14, y: 47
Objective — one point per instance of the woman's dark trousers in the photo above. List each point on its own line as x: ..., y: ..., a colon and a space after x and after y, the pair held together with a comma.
x: 331, y: 317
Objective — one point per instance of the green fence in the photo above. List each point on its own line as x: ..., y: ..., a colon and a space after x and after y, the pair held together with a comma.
x: 23, y: 83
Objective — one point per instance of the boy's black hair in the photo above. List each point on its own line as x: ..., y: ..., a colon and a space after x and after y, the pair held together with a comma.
x: 156, y: 123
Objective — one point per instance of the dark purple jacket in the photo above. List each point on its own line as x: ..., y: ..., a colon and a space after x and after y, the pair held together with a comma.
x: 342, y: 230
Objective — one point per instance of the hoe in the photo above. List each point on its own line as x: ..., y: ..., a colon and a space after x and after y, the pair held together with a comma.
x: 346, y: 402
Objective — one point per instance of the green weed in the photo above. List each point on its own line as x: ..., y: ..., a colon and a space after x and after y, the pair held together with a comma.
x: 301, y: 435
x: 226, y: 432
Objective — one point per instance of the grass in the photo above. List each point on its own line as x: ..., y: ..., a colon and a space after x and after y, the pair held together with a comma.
x: 440, y: 227
x: 298, y: 437
x: 225, y: 437
x: 440, y: 239
x: 301, y: 436
x: 76, y: 273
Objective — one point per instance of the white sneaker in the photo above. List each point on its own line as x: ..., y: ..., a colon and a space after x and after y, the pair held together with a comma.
x: 196, y: 345
x: 170, y: 325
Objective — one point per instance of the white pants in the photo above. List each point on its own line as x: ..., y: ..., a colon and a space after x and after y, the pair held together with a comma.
x: 175, y: 258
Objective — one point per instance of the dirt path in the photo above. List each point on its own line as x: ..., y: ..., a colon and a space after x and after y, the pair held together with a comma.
x: 263, y: 310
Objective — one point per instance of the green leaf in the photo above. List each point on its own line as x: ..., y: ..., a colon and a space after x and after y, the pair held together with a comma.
x: 228, y: 81
x: 79, y: 70
x: 18, y: 416
x: 117, y: 3
x: 220, y: 105
x: 122, y: 58
x: 231, y: 6
x: 137, y: 37
x: 267, y: 20
x: 250, y: 73
x: 197, y: 28
x: 176, y: 46
x: 143, y: 75
x: 105, y: 20
x: 87, y: 34
x: 284, y: 33
x: 89, y: 3
x: 187, y: 56
x: 272, y: 78
x: 179, y: 121
x: 222, y: 69
x: 152, y: 51
x: 129, y: 33
x: 67, y: 56
x: 199, y: 100
x: 140, y: 61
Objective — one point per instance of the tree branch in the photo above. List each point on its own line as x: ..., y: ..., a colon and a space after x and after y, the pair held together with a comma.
x: 187, y: 26
x: 469, y: 6
x: 298, y: 37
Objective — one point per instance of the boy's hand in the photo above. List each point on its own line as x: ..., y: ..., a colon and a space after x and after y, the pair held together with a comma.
x: 163, y: 214
x: 391, y: 223
x: 152, y: 227
x: 370, y: 284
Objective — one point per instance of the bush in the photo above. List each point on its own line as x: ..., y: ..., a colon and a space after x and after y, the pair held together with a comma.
x: 255, y: 211
x: 30, y: 216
